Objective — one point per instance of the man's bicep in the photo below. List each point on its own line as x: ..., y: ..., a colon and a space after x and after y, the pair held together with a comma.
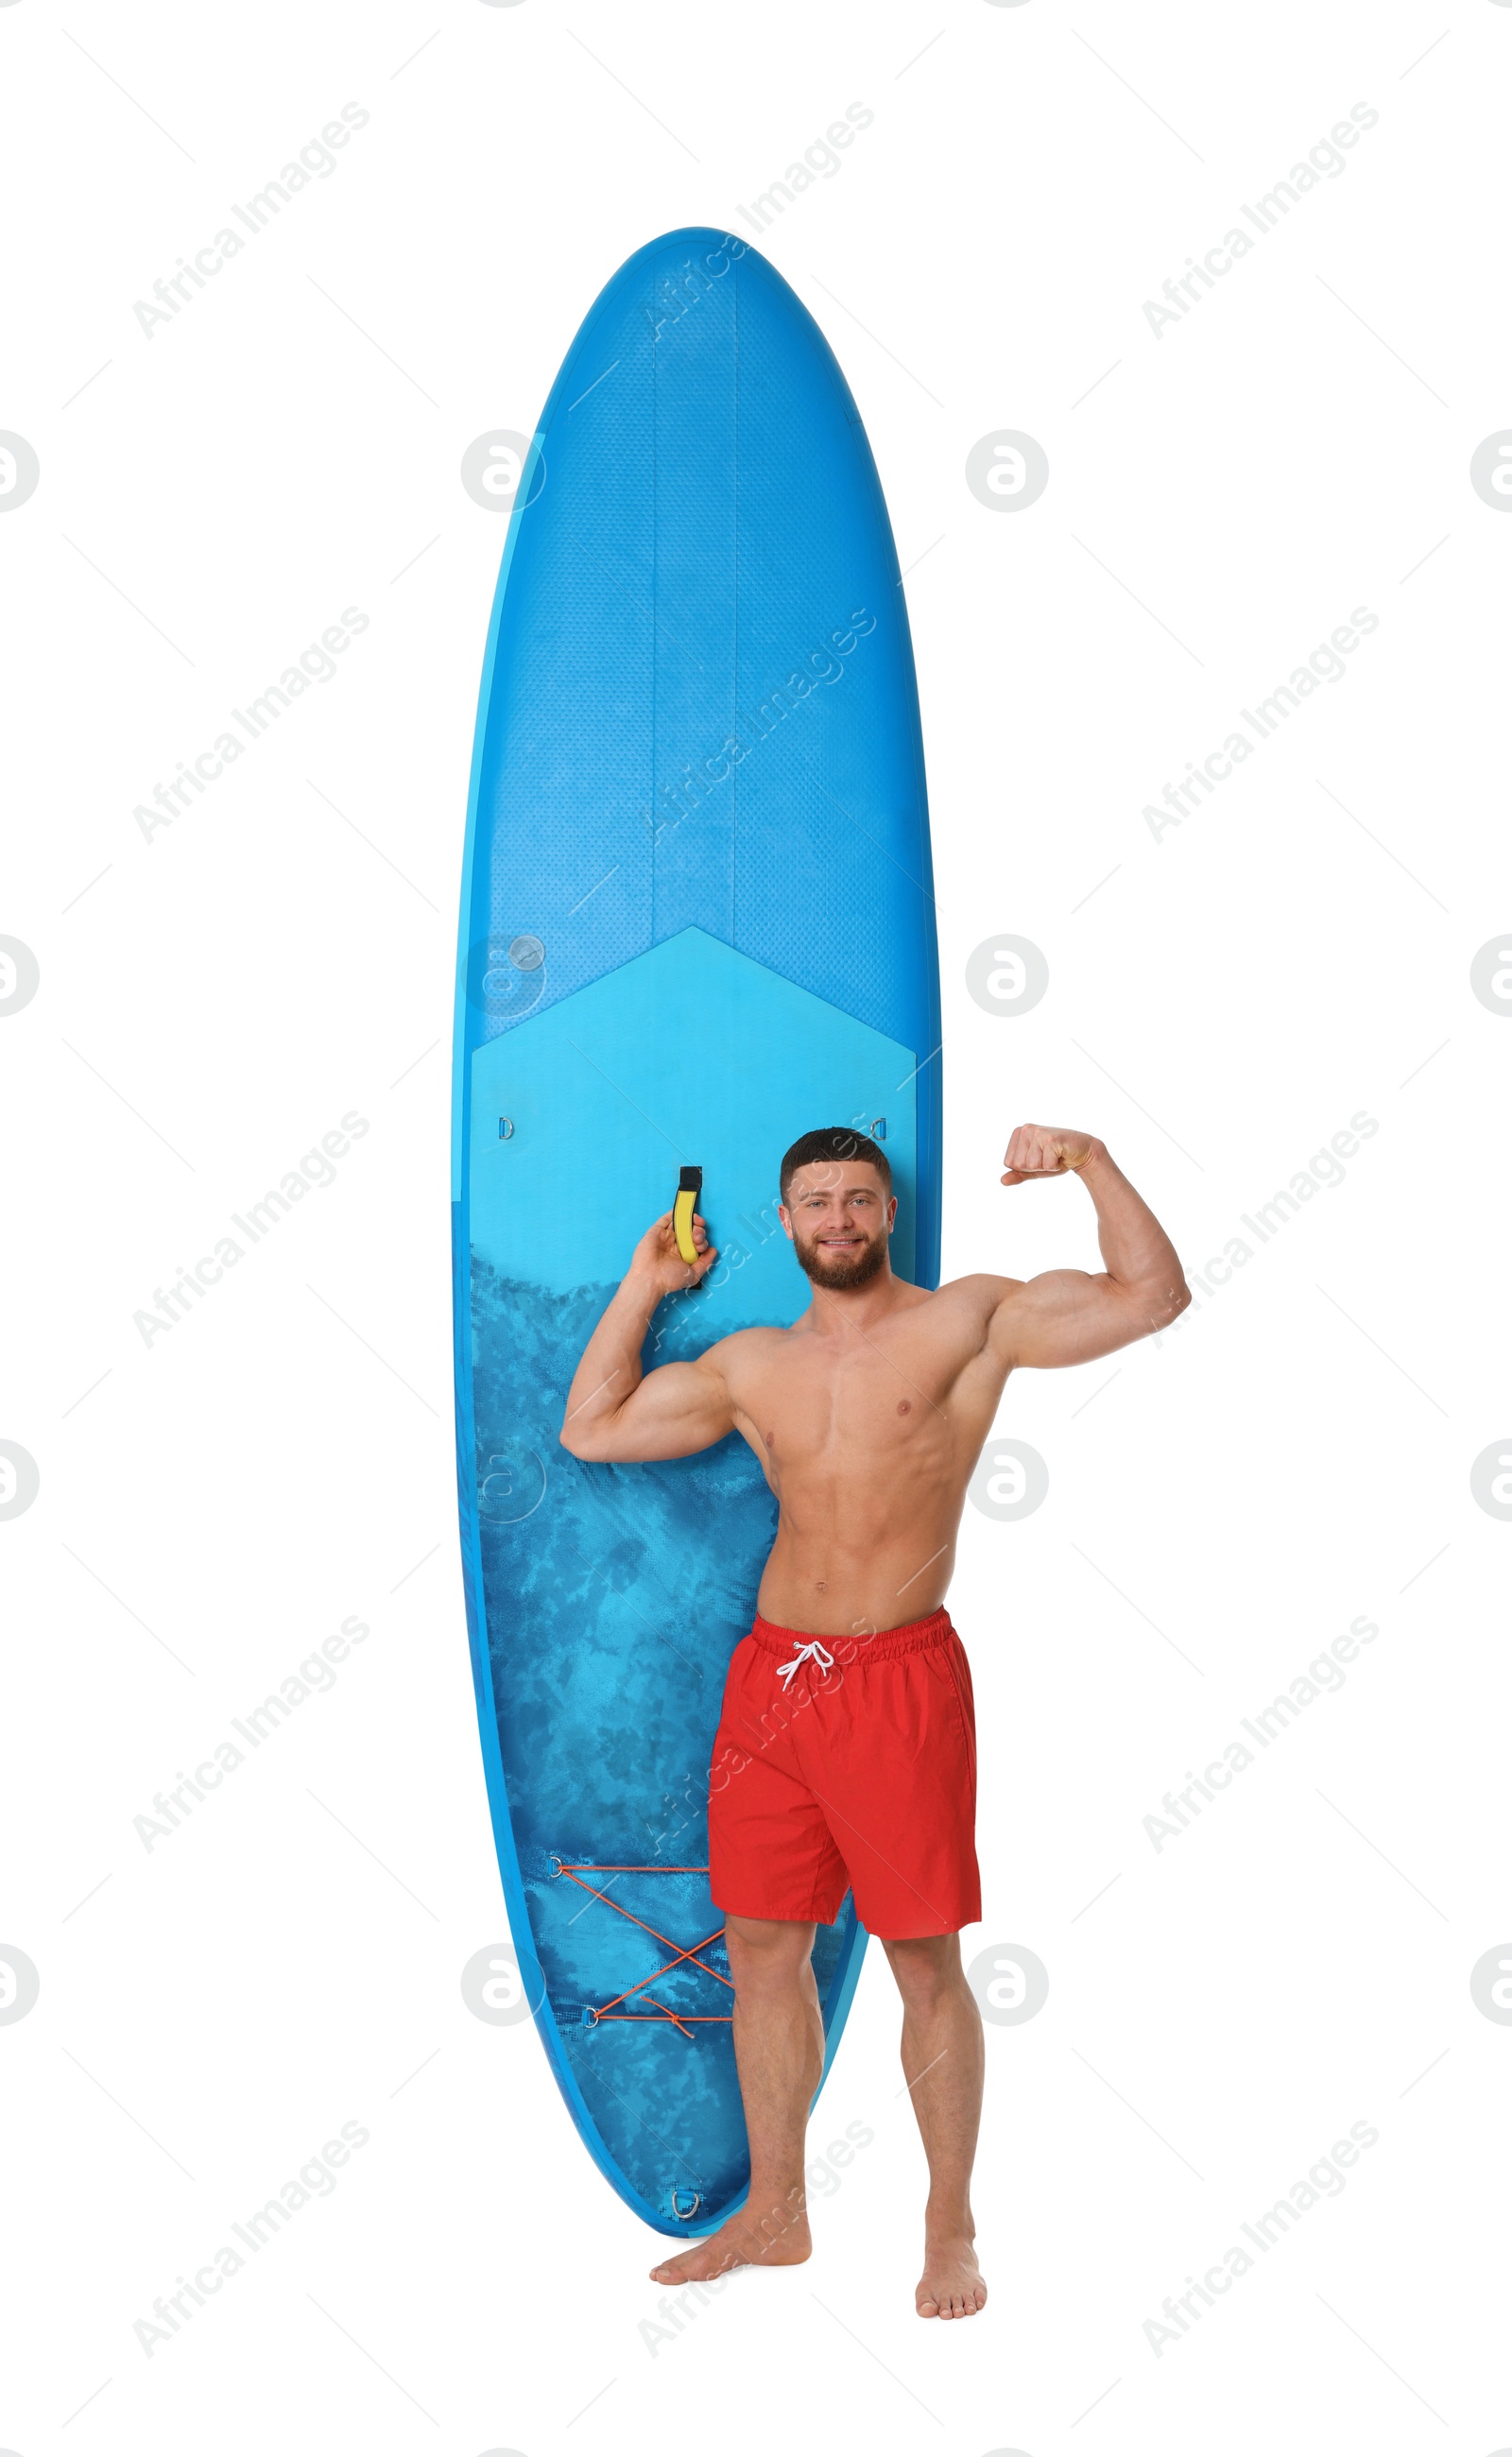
x: 673, y: 1410
x: 1064, y: 1318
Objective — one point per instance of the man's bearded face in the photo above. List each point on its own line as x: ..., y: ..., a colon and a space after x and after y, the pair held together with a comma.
x: 839, y: 1220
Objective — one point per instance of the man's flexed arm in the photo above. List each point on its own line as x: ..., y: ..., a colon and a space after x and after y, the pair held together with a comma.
x: 613, y: 1411
x: 1069, y: 1317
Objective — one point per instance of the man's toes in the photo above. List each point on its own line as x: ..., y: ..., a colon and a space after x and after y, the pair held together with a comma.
x: 927, y: 2308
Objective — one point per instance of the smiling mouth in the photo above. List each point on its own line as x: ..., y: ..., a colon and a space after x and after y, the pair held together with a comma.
x: 837, y: 1258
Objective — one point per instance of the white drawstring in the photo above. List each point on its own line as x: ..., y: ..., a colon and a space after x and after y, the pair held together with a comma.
x: 820, y: 1655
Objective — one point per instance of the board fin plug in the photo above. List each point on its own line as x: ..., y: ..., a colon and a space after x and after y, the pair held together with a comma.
x: 689, y: 1186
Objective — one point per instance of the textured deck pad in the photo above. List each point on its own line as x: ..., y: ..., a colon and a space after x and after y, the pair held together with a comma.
x: 696, y: 920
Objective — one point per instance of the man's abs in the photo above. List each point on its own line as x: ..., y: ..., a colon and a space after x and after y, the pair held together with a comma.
x: 860, y: 1551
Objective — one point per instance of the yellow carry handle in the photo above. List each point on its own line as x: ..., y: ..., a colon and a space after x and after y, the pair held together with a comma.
x: 689, y: 1186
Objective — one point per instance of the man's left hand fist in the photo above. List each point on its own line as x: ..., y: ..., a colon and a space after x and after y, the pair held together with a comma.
x: 1045, y: 1151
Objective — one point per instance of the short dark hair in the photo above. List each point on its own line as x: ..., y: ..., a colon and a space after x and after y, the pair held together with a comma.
x: 833, y: 1142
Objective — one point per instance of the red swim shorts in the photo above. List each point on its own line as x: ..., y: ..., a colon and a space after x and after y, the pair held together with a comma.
x: 847, y: 1762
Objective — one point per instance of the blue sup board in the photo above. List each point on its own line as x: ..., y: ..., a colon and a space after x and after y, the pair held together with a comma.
x: 696, y: 920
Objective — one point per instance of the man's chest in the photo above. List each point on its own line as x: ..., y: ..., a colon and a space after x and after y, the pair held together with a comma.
x: 864, y: 1407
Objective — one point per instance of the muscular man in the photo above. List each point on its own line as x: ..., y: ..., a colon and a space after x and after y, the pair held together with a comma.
x: 847, y: 1749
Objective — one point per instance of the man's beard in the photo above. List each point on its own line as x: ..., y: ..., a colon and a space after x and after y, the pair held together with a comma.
x: 853, y: 1271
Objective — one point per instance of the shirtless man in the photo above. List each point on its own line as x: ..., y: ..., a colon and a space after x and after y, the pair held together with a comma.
x: 847, y: 1749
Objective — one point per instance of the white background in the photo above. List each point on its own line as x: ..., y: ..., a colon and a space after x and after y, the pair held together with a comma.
x: 1295, y: 1453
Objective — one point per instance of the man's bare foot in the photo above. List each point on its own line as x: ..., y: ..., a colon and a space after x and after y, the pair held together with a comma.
x: 771, y: 2242
x: 952, y: 2286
